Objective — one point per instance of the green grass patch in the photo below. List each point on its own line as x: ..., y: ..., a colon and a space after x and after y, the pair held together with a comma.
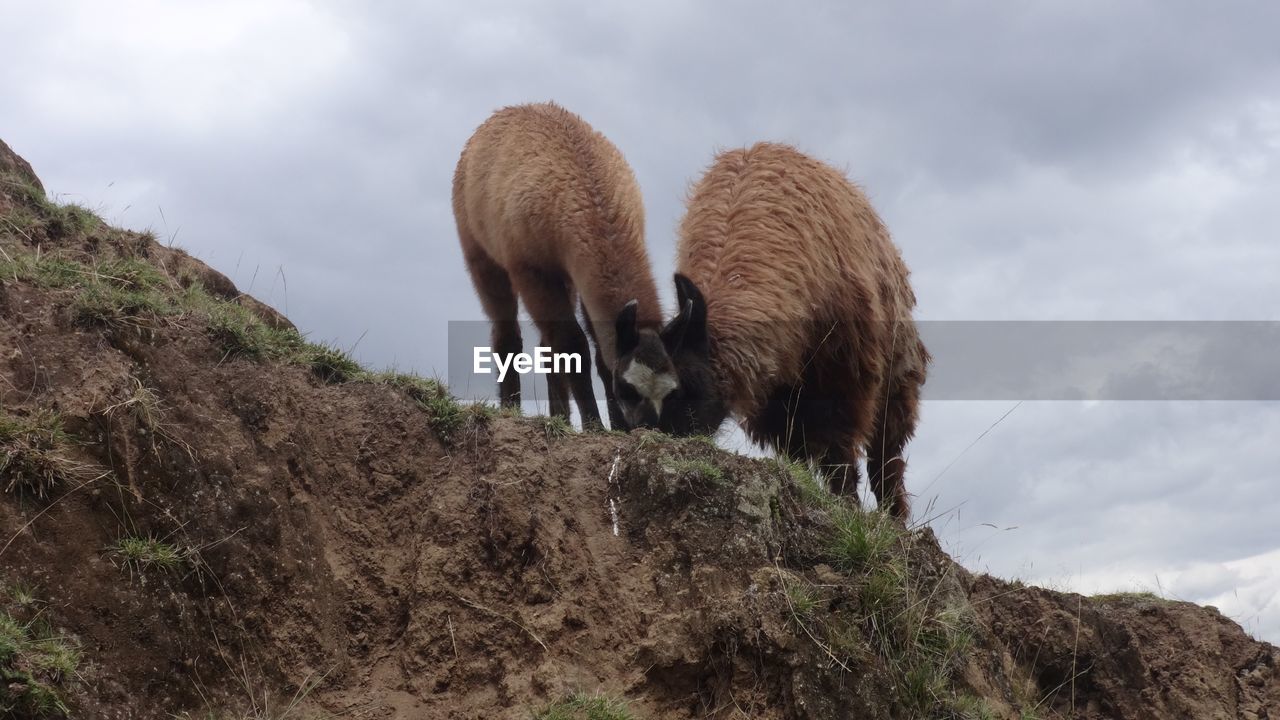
x: 556, y: 427
x: 803, y: 599
x: 21, y: 595
x: 580, y: 706
x: 862, y: 541
x: 116, y: 293
x: 240, y: 333
x: 813, y: 490
x: 484, y: 411
x: 1129, y: 596
x: 130, y: 274
x: 145, y: 553
x: 36, y: 665
x: 701, y: 441
x: 650, y: 437
x: 32, y: 453
x: 114, y: 307
x: 887, y: 610
x: 329, y: 363
x: 43, y: 270
x: 446, y: 415
x: 132, y: 293
x: 969, y: 707
x: 70, y: 219
x: 695, y: 468
x: 124, y: 293
x: 37, y: 213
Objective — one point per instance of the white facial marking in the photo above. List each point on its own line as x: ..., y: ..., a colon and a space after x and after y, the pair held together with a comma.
x: 655, y: 386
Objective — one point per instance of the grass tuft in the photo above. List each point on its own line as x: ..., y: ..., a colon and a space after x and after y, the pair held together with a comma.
x: 812, y: 490
x: 1129, y: 596
x: 695, y: 468
x: 887, y: 608
x: 130, y: 274
x: 482, y: 412
x: 114, y: 307
x: 35, y: 664
x: 42, y: 270
x: 132, y: 293
x: 115, y: 293
x: 31, y: 453
x: 24, y: 596
x: 802, y: 599
x: 580, y: 706
x: 701, y: 441
x: 556, y: 427
x: 38, y: 212
x: 123, y: 293
x: 446, y: 415
x: 240, y: 333
x: 71, y: 219
x: 969, y: 707
x: 144, y: 405
x: 330, y: 364
x: 862, y: 540
x: 144, y: 553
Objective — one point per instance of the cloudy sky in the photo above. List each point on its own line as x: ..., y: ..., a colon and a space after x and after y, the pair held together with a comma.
x: 1075, y: 160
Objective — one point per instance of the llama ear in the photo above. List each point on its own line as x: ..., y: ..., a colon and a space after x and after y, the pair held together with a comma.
x: 628, y: 337
x: 688, y: 329
x: 686, y: 290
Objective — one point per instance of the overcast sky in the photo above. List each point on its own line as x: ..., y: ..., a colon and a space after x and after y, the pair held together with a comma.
x: 1035, y: 161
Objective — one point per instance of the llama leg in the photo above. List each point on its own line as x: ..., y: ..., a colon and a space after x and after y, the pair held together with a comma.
x: 550, y: 302
x: 498, y: 299
x: 806, y: 427
x: 616, y: 422
x: 886, y: 465
x: 839, y: 463
x: 583, y: 392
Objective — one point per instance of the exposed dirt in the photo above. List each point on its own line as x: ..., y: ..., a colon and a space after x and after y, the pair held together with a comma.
x: 343, y: 548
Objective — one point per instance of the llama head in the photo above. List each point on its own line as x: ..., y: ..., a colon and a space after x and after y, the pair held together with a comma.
x: 664, y: 378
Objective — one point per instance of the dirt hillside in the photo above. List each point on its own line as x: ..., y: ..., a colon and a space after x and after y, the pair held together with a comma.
x: 204, y: 515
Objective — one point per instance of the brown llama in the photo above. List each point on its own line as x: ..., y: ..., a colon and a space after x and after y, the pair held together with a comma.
x: 795, y: 316
x: 548, y: 211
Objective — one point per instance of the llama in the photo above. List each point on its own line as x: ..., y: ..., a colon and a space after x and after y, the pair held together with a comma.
x: 548, y: 210
x: 795, y: 317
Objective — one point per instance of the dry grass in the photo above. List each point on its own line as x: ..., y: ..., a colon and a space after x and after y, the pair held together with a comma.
x: 33, y: 454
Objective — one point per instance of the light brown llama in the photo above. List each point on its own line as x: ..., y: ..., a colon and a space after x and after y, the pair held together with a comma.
x: 795, y: 316
x: 548, y: 210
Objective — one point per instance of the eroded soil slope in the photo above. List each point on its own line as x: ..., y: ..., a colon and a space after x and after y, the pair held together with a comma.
x: 203, y: 514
